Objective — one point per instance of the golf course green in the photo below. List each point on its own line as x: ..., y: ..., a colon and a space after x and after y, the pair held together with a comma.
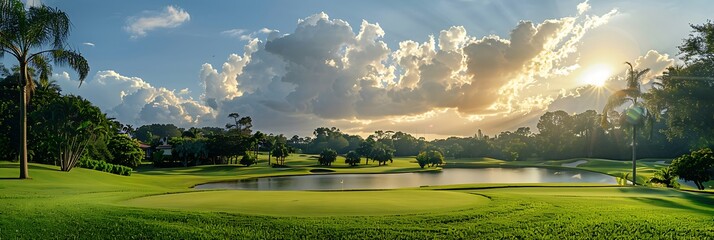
x: 160, y: 203
x: 304, y: 203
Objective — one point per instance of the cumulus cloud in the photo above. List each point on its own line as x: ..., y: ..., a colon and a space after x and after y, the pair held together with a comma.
x: 583, y: 7
x: 656, y: 62
x: 170, y: 17
x: 337, y: 74
x: 222, y: 86
x: 133, y: 100
x: 326, y: 72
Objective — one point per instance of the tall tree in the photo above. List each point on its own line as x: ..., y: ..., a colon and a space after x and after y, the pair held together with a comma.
x: 149, y: 133
x: 585, y: 128
x: 257, y: 139
x: 382, y: 153
x: 235, y: 117
x: 555, y: 132
x: 699, y: 47
x: 245, y: 123
x: 365, y: 148
x: 430, y: 157
x: 684, y: 95
x: 36, y: 37
x: 635, y: 115
x: 327, y: 156
x: 352, y: 158
x: 280, y: 152
x: 67, y: 126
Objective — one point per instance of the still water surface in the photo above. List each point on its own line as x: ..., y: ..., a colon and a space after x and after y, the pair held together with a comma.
x: 402, y: 180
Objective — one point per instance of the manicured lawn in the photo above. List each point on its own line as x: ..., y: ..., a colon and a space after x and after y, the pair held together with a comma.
x: 310, y: 203
x: 159, y: 203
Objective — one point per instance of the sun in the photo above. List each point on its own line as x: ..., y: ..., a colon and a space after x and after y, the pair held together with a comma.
x: 596, y: 75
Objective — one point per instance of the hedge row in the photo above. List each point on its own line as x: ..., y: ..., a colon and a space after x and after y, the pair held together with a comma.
x: 105, y: 167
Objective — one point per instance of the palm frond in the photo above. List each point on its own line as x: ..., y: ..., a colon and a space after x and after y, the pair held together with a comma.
x: 618, y: 98
x: 641, y: 73
x: 40, y: 64
x: 47, y: 26
x: 73, y: 60
x: 634, y: 76
x: 12, y: 18
x: 630, y: 65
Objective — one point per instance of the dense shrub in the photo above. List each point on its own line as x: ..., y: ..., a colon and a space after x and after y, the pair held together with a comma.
x: 105, y: 167
x: 126, y: 151
x: 99, y: 151
x: 248, y: 159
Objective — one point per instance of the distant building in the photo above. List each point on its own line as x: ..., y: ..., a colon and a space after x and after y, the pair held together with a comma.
x: 164, y: 145
x: 147, y: 150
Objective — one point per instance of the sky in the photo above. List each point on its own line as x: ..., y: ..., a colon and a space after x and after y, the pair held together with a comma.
x: 432, y: 68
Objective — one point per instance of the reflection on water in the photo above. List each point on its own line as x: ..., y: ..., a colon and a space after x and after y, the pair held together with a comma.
x: 401, y: 180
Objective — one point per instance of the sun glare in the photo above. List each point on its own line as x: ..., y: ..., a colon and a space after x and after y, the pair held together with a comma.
x: 596, y: 75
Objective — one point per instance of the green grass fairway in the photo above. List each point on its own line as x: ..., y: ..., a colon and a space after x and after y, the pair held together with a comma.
x: 302, y: 203
x: 159, y: 204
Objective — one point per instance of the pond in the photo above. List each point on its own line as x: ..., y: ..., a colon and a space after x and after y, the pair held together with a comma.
x: 447, y: 176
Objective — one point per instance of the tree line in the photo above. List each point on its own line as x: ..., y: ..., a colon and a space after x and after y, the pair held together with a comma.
x: 64, y: 129
x: 40, y: 124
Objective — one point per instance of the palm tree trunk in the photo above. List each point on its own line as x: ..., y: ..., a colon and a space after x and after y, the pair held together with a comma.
x: 23, y: 123
x: 634, y: 159
x: 591, y: 136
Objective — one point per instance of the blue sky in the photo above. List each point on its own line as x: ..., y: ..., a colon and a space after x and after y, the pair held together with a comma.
x: 167, y: 59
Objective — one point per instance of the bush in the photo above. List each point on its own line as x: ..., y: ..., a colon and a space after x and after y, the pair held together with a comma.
x: 126, y: 151
x: 248, y: 159
x: 104, y: 167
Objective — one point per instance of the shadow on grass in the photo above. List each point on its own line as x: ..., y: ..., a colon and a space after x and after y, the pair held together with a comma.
x: 661, y: 198
x: 661, y: 202
x: 32, y: 166
x: 10, y: 178
x: 203, y: 169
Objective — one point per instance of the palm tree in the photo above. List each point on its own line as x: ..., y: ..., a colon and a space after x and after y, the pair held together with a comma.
x: 36, y: 37
x: 244, y: 125
x: 665, y: 176
x: 235, y: 117
x: 258, y: 138
x: 635, y: 114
